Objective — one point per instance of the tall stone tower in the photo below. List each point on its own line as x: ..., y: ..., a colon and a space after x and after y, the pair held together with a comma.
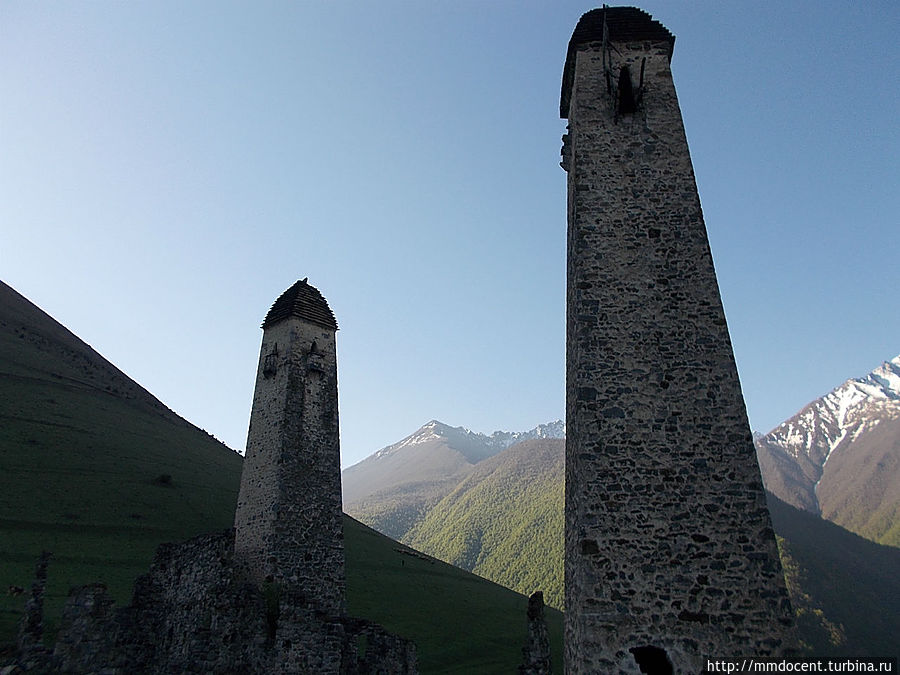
x: 288, y: 522
x: 670, y: 553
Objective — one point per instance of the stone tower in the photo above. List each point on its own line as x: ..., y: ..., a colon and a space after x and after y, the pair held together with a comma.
x: 288, y: 522
x: 670, y: 553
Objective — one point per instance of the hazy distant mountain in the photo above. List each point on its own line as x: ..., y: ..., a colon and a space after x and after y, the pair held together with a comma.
x: 392, y: 489
x: 839, y: 457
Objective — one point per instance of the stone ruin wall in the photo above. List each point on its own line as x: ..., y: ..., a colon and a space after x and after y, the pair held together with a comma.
x: 669, y: 544
x: 188, y: 612
x: 193, y: 612
x: 289, y: 520
x: 536, y: 658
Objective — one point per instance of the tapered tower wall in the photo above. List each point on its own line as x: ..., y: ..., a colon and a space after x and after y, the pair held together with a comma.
x: 669, y: 544
x: 288, y: 521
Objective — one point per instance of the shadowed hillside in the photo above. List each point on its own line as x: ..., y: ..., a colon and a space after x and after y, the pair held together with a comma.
x: 847, y: 585
x: 93, y: 467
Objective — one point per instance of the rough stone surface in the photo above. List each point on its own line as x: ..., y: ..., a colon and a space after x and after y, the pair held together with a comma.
x: 670, y: 552
x: 31, y: 631
x: 194, y: 613
x: 288, y: 522
x: 536, y: 652
x: 29, y: 642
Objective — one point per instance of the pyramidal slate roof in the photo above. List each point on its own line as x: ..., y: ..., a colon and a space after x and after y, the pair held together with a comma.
x: 623, y: 24
x: 304, y: 302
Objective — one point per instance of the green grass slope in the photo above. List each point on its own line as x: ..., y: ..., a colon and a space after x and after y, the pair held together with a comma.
x: 460, y: 622
x: 96, y: 470
x: 92, y: 467
x: 505, y: 520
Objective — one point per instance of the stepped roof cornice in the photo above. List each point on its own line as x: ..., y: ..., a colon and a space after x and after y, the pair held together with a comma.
x: 623, y: 24
x: 304, y: 302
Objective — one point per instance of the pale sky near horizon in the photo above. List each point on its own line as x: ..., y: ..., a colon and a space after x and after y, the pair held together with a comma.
x: 168, y: 168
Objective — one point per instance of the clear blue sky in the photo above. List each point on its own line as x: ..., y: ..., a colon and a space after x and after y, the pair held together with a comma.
x: 167, y: 169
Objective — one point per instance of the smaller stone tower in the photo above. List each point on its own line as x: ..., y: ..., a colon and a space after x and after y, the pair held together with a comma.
x: 288, y: 522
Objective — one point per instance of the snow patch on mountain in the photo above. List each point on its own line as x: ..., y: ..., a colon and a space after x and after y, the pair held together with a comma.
x: 842, y: 415
x: 476, y: 444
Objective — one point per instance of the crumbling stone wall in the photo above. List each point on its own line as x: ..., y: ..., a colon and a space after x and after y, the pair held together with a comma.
x: 31, y: 630
x: 193, y: 612
x: 536, y: 652
x: 90, y: 633
x: 670, y: 553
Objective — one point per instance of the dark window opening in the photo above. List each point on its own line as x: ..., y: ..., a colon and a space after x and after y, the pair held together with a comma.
x: 627, y: 100
x: 314, y: 359
x: 270, y: 362
x: 652, y: 660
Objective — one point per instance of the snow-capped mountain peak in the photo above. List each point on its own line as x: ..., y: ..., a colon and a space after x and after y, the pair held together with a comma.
x: 838, y: 457
x: 843, y: 414
x: 887, y: 377
x: 474, y: 445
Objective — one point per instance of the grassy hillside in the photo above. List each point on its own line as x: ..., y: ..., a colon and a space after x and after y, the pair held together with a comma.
x: 96, y: 470
x: 460, y: 622
x: 505, y: 520
x: 92, y: 467
x: 398, y: 509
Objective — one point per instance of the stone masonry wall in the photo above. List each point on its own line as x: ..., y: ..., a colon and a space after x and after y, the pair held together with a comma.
x: 669, y: 544
x: 536, y: 651
x: 193, y: 612
x: 288, y: 519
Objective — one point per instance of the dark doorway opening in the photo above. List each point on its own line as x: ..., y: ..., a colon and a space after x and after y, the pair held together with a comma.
x: 652, y: 660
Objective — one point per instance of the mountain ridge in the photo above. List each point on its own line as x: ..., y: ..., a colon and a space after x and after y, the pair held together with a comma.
x: 509, y: 506
x: 67, y: 360
x: 393, y: 488
x: 469, y: 442
x: 839, y: 456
